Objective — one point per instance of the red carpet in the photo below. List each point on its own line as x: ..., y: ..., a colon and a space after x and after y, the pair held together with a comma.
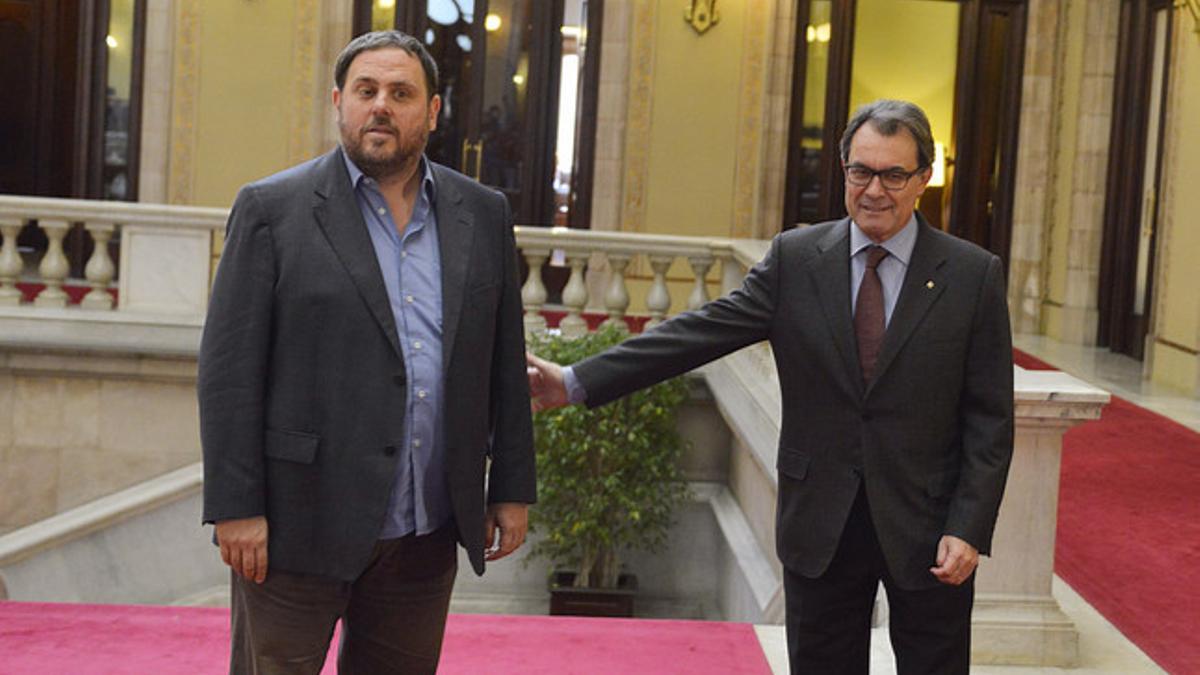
x: 67, y: 639
x: 1129, y: 526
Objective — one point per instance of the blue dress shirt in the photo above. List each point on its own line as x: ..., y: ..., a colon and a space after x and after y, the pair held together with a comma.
x: 891, y: 269
x: 412, y: 273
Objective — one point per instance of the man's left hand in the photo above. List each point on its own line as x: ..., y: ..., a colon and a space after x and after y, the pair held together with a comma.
x: 511, y: 519
x: 956, y: 560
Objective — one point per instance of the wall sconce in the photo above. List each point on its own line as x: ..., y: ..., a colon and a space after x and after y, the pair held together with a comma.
x: 818, y: 33
x: 1193, y: 8
x: 701, y: 15
x: 938, y: 177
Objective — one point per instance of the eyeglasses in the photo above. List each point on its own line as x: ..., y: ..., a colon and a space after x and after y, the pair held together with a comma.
x: 891, y: 179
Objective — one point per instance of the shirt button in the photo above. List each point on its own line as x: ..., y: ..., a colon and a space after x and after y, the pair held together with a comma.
x: 381, y: 210
x: 416, y: 442
x: 403, y: 254
x: 408, y: 299
x: 421, y: 393
x: 417, y: 344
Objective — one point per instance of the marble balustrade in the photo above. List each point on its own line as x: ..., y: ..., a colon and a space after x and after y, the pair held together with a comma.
x: 165, y: 261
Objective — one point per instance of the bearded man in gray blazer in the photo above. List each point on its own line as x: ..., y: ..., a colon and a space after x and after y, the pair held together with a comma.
x: 361, y: 374
x: 894, y: 354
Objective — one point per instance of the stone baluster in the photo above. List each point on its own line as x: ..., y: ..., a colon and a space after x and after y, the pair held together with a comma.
x: 575, y: 296
x: 700, y: 266
x: 54, y: 267
x: 658, y: 298
x: 99, y: 270
x: 533, y: 293
x: 732, y: 274
x: 616, y: 298
x: 10, y: 261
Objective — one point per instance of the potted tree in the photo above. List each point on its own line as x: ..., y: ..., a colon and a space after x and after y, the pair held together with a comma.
x: 608, y: 482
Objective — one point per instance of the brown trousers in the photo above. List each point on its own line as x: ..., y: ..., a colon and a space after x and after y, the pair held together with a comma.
x: 393, y: 615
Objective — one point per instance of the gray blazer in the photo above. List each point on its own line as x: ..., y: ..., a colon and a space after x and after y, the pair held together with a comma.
x: 302, y: 383
x: 930, y: 436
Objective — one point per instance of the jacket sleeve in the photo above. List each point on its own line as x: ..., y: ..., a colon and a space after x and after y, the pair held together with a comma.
x: 511, y: 477
x: 689, y: 340
x: 986, y: 417
x: 232, y: 375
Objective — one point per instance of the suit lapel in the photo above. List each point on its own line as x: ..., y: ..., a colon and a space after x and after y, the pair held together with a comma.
x: 455, y: 238
x: 923, y: 284
x: 831, y: 276
x: 336, y: 211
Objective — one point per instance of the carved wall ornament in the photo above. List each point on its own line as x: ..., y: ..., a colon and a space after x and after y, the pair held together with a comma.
x: 701, y: 15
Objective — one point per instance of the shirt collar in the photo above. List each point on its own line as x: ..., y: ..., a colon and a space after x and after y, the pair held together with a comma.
x: 428, y: 185
x: 899, y: 245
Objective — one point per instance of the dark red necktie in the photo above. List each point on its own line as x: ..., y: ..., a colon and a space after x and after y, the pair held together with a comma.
x: 869, y: 320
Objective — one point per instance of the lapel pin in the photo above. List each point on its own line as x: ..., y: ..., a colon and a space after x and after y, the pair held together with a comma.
x: 929, y: 284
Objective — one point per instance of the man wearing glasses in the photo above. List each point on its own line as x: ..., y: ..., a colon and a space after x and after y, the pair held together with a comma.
x: 895, y: 363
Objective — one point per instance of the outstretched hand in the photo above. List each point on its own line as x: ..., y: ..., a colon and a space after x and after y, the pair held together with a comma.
x: 546, y: 387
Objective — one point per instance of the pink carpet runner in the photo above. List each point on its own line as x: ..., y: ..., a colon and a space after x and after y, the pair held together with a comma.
x: 70, y: 639
x: 1129, y: 526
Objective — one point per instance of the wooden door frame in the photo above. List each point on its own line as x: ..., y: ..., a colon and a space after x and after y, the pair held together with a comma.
x: 1117, y: 329
x: 831, y: 197
x: 969, y: 201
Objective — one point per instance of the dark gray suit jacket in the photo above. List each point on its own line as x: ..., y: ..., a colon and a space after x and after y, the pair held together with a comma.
x: 930, y: 436
x: 302, y: 383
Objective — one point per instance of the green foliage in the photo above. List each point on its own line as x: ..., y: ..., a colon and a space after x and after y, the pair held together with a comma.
x: 608, y: 478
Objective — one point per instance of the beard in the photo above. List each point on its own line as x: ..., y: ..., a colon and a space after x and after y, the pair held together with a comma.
x: 373, y: 156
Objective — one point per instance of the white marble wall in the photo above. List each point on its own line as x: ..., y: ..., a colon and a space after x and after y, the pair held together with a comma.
x: 1089, y: 166
x: 76, y: 427
x: 156, y: 101
x: 1034, y: 194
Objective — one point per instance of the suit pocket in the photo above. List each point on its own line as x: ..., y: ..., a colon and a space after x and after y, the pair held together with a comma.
x: 291, y: 446
x: 792, y: 463
x: 483, y: 293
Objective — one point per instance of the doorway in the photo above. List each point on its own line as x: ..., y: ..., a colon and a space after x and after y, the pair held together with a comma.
x: 969, y: 57
x: 1134, y: 173
x: 70, y: 126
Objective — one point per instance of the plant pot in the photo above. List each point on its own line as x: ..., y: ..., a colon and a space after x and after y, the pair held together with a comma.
x: 566, y: 600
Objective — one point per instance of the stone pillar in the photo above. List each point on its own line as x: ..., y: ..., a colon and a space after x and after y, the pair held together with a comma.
x: 1016, y: 620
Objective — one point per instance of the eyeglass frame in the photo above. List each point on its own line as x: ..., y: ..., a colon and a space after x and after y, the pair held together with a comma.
x: 846, y: 168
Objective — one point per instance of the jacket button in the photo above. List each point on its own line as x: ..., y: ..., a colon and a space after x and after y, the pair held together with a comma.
x: 389, y: 450
x: 399, y: 378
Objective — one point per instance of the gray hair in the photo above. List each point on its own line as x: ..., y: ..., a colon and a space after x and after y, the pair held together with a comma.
x: 888, y: 116
x: 386, y: 39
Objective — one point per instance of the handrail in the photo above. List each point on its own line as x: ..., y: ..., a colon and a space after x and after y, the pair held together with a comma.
x: 125, y: 213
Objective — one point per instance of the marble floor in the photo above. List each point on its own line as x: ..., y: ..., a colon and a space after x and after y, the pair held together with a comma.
x: 1103, y: 649
x: 1117, y: 373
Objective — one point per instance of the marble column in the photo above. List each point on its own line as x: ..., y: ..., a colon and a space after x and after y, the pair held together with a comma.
x: 1017, y: 621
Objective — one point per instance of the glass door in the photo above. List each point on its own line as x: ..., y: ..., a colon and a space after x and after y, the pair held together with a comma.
x: 499, y: 62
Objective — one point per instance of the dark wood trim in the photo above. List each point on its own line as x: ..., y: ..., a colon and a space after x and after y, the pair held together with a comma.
x: 541, y: 112
x: 1118, y: 328
x: 579, y: 215
x: 1000, y: 232
x: 136, y: 86
x: 361, y: 21
x: 92, y: 69
x: 791, y: 187
x: 983, y: 184
x: 412, y: 17
x: 1176, y: 346
x: 837, y: 107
